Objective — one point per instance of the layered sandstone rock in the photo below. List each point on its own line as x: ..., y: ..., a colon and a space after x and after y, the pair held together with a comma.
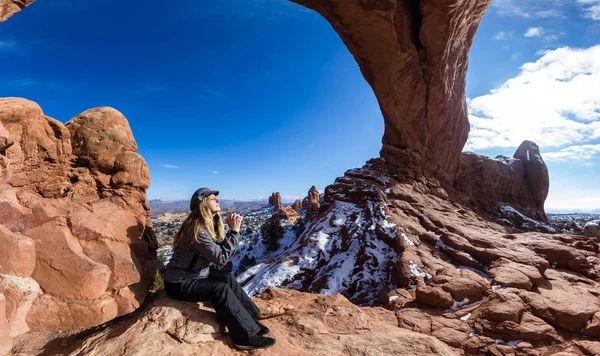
x: 521, y: 182
x: 10, y: 7
x: 73, y: 219
x: 303, y: 324
x: 448, y: 271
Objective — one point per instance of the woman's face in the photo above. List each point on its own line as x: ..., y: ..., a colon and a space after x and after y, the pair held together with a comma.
x: 213, y: 203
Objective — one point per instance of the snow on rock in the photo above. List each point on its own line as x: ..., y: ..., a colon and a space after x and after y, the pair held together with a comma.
x: 339, y: 252
x: 526, y: 223
x: 442, y: 246
x: 457, y: 304
x: 416, y: 273
x: 408, y: 242
x: 592, y: 229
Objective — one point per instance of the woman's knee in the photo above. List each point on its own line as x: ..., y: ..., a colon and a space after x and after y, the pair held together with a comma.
x: 220, y: 292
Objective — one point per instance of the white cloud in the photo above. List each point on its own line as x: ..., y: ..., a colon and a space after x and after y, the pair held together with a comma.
x: 6, y: 44
x: 169, y: 166
x: 553, y: 102
x: 530, y: 8
x: 573, y: 153
x: 534, y: 32
x: 290, y: 198
x: 500, y: 35
x: 215, y: 172
x: 591, y: 8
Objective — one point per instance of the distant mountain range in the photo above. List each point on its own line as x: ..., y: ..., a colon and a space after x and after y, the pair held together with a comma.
x: 158, y: 206
x: 572, y: 211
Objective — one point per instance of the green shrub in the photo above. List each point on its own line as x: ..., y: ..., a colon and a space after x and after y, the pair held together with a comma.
x: 246, y: 262
x: 271, y: 231
x: 158, y: 283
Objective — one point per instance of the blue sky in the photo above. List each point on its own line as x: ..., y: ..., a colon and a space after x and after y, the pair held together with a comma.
x: 257, y: 96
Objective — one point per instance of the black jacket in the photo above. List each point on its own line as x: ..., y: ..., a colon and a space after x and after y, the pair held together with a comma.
x: 191, y: 258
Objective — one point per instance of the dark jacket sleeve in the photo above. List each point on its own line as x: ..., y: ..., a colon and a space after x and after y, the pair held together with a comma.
x: 214, y: 252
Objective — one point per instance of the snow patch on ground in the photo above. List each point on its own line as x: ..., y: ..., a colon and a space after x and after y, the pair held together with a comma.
x: 274, y: 276
x: 457, y: 304
x: 466, y: 317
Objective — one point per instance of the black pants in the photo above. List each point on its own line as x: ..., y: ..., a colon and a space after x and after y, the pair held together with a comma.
x: 233, y: 306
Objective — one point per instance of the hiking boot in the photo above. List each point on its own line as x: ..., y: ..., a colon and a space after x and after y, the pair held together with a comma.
x: 263, y: 329
x: 255, y: 342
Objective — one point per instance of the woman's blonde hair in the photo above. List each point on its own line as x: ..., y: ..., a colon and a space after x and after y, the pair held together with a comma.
x: 201, y: 218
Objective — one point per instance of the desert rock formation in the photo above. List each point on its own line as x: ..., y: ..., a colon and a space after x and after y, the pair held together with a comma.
x: 297, y: 206
x: 288, y: 213
x: 311, y: 203
x: 465, y: 278
x: 521, y: 181
x: 425, y: 230
x: 275, y: 200
x: 74, y: 224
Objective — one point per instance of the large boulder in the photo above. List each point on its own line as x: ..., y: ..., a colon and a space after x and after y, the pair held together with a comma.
x: 521, y: 181
x: 62, y: 267
x: 592, y: 229
x: 73, y: 217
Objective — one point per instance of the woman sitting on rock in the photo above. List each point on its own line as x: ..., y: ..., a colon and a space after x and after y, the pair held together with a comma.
x: 199, y: 242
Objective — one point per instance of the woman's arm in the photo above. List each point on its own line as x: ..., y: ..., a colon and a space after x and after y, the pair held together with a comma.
x: 213, y: 252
